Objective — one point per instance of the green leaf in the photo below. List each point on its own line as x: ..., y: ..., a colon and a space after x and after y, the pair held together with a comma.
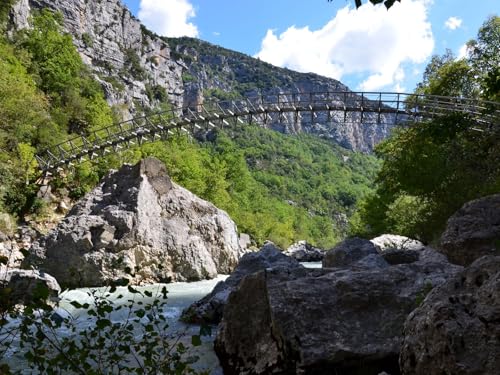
x: 103, y: 323
x: 205, y: 330
x: 76, y: 304
x: 196, y: 340
x: 132, y: 290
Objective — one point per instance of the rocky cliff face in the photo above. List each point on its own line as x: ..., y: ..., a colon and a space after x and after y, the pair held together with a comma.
x: 128, y: 60
x: 140, y: 69
x: 214, y: 71
x: 140, y: 226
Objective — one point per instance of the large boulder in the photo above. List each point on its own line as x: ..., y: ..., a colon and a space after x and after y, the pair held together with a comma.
x: 457, y: 328
x: 344, y: 320
x: 348, y: 252
x: 25, y: 286
x: 397, y: 249
x: 305, y: 252
x: 139, y: 225
x: 473, y: 231
x: 210, y: 308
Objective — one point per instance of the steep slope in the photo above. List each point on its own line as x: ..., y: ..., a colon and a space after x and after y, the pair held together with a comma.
x: 140, y: 70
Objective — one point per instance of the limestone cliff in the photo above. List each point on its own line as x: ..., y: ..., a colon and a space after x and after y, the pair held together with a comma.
x: 139, y: 69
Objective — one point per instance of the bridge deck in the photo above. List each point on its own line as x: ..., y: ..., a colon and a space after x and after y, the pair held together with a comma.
x: 292, y: 108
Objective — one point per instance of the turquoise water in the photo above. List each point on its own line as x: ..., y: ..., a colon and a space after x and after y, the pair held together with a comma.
x: 180, y: 295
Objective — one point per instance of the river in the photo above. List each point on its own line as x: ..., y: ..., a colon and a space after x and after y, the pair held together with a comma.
x: 180, y: 296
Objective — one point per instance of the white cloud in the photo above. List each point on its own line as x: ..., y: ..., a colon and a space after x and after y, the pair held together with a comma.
x: 168, y: 17
x: 370, y: 41
x: 453, y: 23
x: 462, y: 52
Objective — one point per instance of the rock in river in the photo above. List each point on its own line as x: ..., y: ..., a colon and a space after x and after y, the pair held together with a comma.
x: 139, y: 225
x: 209, y: 309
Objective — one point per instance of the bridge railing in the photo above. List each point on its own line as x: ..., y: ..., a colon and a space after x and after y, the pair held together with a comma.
x: 340, y: 107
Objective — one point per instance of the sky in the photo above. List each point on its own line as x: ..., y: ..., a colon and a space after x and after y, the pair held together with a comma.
x: 368, y: 49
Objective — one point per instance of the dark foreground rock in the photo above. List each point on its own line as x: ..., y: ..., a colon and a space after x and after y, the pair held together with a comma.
x: 457, y: 328
x: 348, y: 252
x: 305, y: 252
x: 473, y: 231
x: 209, y: 309
x: 139, y: 225
x: 333, y: 321
x: 25, y: 286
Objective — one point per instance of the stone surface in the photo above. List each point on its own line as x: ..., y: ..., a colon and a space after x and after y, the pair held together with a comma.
x: 473, y: 231
x: 348, y: 252
x: 343, y: 320
x: 12, y: 246
x: 386, y: 242
x: 139, y: 225
x: 24, y: 284
x: 305, y: 252
x: 457, y: 328
x: 210, y: 308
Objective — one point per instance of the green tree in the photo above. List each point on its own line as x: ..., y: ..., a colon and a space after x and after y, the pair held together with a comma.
x: 446, y: 76
x: 431, y: 169
x: 484, y: 57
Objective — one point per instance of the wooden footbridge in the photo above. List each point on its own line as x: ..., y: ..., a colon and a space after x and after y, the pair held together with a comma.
x: 364, y: 108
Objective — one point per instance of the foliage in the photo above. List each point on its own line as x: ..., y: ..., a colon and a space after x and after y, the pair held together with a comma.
x: 387, y: 3
x: 156, y: 93
x: 42, y: 73
x: 5, y: 7
x: 484, y: 57
x: 446, y: 76
x: 431, y: 170
x: 133, y: 64
x: 108, y: 334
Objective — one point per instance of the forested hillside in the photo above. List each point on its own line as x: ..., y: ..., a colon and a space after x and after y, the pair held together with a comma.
x: 429, y: 171
x: 274, y: 186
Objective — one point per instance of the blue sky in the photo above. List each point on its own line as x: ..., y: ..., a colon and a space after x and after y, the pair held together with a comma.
x: 368, y: 49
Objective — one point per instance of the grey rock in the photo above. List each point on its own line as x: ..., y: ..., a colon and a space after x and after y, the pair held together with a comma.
x: 210, y: 308
x: 344, y: 320
x: 245, y: 241
x: 138, y: 225
x: 457, y: 328
x: 24, y: 284
x: 386, y: 242
x: 348, y: 252
x: 371, y: 261
x: 473, y: 231
x: 305, y: 252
